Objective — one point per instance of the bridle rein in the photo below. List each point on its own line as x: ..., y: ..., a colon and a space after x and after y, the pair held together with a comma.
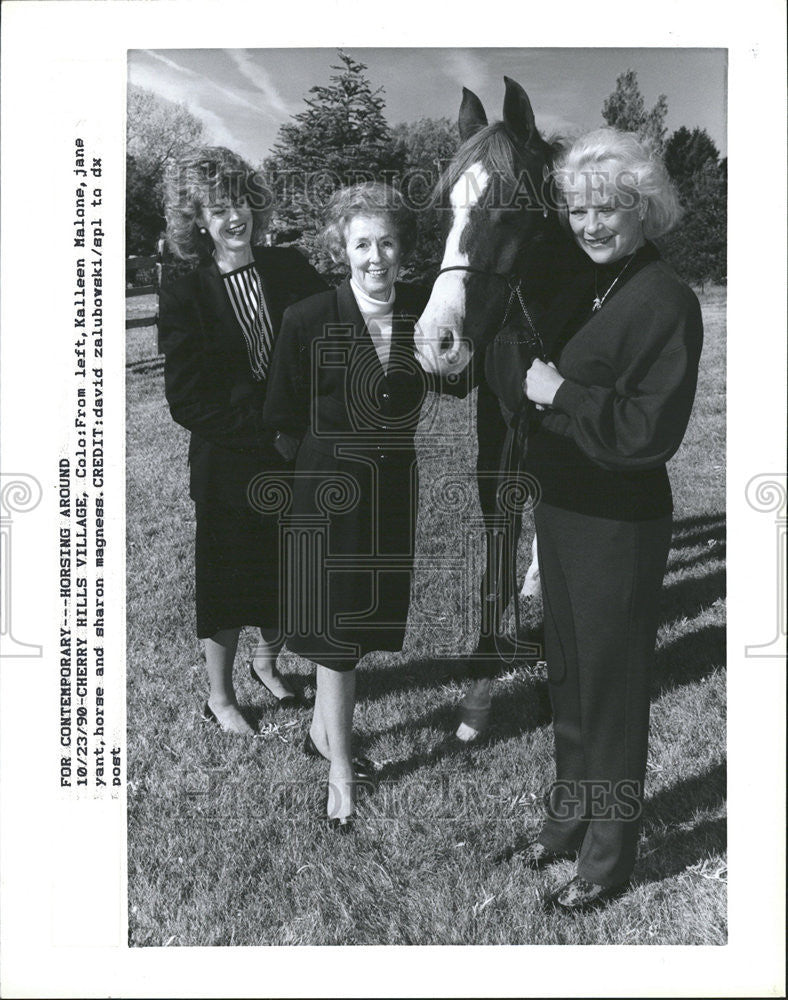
x: 514, y: 447
x: 515, y: 285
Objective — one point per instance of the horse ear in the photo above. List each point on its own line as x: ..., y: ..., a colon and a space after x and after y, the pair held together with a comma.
x: 472, y: 116
x: 518, y: 115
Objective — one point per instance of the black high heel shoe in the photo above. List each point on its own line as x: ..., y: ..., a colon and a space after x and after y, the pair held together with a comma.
x: 286, y: 701
x: 365, y: 770
x: 339, y: 824
x: 342, y: 825
x: 208, y: 714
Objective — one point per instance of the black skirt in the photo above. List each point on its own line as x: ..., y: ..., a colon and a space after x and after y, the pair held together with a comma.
x: 237, y: 568
x: 351, y: 550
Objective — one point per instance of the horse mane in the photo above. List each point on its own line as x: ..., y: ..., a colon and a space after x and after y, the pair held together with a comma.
x: 492, y: 147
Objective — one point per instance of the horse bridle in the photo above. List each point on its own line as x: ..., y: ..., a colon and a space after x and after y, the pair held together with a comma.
x: 515, y: 284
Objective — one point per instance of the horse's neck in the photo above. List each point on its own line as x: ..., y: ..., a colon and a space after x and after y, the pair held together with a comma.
x: 549, y: 262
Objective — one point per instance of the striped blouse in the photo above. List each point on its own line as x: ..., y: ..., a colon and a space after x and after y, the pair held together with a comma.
x: 245, y: 291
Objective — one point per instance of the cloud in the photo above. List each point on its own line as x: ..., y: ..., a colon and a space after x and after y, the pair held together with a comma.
x: 200, y: 86
x: 246, y: 62
x: 466, y: 69
x: 224, y: 114
x: 557, y: 126
x: 217, y: 132
x: 178, y: 67
x: 173, y: 87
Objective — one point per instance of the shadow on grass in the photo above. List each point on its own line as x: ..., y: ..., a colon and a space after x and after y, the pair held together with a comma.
x: 525, y: 705
x: 520, y: 708
x: 266, y: 709
x: 713, y: 553
x: 673, y: 841
x: 689, y: 658
x: 688, y: 597
x: 670, y: 851
x: 689, y: 531
x: 427, y: 672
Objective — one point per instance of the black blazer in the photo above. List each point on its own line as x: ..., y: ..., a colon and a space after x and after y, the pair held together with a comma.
x: 357, y: 423
x: 326, y: 378
x: 207, y: 377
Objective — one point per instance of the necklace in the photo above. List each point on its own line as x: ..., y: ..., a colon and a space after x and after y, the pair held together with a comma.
x: 599, y: 302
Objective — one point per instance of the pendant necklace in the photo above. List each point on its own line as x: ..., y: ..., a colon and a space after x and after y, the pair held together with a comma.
x: 599, y: 302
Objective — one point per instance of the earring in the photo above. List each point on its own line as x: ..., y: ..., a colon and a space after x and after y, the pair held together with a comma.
x: 203, y: 229
x: 544, y: 213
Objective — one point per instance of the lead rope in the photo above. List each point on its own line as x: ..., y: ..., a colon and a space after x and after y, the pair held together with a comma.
x: 520, y: 438
x: 512, y: 457
x: 517, y: 435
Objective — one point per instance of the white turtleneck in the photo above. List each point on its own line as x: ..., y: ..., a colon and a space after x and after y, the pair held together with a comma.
x: 378, y: 317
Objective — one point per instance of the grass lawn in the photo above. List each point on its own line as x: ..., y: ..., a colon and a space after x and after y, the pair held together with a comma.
x: 224, y: 847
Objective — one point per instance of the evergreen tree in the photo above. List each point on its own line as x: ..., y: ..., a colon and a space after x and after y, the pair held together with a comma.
x: 625, y: 109
x: 341, y: 138
x: 697, y: 248
x: 685, y: 155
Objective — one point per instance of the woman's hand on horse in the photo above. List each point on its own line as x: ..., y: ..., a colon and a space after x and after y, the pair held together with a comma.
x: 541, y: 383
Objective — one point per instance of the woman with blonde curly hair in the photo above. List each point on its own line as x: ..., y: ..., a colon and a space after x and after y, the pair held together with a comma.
x: 217, y: 329
x: 613, y: 408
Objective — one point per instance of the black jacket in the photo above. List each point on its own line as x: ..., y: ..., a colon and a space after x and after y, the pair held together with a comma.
x: 630, y: 374
x: 208, y: 381
x: 356, y: 472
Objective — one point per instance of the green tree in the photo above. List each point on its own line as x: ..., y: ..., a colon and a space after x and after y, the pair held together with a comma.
x: 685, y: 155
x: 420, y: 152
x: 625, y: 109
x: 157, y: 131
x: 697, y: 248
x: 341, y: 138
x: 143, y: 209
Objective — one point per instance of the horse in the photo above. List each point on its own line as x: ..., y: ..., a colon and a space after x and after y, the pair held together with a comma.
x: 498, y: 266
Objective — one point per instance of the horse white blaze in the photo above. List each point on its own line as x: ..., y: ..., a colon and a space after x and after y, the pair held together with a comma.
x: 532, y: 584
x: 444, y: 314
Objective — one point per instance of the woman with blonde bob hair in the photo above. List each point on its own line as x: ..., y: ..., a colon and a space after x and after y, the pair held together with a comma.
x: 610, y: 162
x: 613, y: 406
x: 217, y: 329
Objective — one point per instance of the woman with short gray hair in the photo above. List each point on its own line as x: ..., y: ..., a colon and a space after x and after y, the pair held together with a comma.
x: 346, y: 395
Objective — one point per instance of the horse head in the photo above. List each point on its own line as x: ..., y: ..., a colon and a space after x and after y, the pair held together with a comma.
x: 496, y: 193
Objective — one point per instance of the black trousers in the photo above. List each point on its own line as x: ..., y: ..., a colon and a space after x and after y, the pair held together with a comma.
x: 601, y: 581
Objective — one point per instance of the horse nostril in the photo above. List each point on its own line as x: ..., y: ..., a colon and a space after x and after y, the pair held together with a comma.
x: 447, y: 340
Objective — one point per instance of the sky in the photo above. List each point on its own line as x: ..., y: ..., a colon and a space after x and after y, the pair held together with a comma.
x: 243, y: 96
